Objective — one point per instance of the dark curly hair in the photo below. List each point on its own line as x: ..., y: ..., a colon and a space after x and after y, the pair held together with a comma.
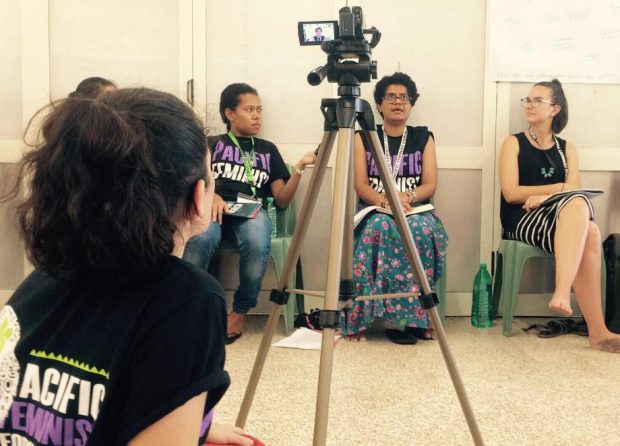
x: 396, y: 79
x: 230, y: 98
x: 107, y: 181
x: 91, y: 87
x: 558, y: 98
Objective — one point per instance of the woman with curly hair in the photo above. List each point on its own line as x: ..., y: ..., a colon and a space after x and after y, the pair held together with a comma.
x: 380, y: 265
x: 113, y: 338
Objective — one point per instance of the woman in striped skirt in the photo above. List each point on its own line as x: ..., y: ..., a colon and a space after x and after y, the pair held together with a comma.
x: 533, y: 165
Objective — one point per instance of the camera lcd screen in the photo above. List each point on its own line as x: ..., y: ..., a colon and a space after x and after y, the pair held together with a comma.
x: 315, y: 33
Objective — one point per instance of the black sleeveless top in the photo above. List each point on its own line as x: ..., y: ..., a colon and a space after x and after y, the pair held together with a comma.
x: 536, y: 168
x: 410, y: 172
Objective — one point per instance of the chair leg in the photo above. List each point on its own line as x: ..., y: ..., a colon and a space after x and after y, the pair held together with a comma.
x: 440, y: 290
x: 299, y: 284
x: 497, y: 284
x: 278, y: 253
x: 511, y: 279
x: 603, y: 283
x: 512, y: 290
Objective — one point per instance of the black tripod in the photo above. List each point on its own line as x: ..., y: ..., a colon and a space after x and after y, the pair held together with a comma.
x: 340, y: 117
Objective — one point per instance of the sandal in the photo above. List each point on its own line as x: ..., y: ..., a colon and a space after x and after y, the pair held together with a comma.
x: 400, y: 337
x: 580, y: 328
x: 551, y: 330
x: 232, y: 337
x: 421, y: 333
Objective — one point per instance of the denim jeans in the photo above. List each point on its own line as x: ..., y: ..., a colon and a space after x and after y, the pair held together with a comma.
x: 251, y: 237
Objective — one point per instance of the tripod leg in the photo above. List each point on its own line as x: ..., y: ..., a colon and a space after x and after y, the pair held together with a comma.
x: 401, y: 222
x: 347, y: 285
x: 290, y: 264
x: 332, y: 288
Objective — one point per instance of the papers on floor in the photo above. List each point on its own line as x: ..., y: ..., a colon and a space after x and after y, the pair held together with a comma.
x: 304, y: 339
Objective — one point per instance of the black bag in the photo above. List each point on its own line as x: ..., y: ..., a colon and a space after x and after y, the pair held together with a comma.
x: 611, y: 250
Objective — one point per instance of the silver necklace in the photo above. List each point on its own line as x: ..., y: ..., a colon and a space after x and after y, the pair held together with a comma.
x: 556, y: 143
x: 399, y: 156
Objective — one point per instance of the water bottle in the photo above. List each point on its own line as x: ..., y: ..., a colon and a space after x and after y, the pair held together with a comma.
x: 482, y: 299
x: 271, y: 210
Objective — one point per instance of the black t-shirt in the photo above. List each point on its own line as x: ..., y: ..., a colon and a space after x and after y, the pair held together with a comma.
x: 410, y: 172
x: 536, y: 168
x: 229, y: 171
x: 100, y: 362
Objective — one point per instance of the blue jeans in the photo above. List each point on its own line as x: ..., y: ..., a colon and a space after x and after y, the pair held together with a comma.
x: 252, y: 238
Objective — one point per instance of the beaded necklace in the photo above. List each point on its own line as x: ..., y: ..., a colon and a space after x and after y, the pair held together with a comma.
x: 556, y: 143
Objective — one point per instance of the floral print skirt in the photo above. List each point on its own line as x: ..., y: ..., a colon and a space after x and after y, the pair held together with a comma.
x: 380, y: 266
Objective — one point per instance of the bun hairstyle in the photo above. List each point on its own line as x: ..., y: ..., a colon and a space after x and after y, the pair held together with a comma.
x: 107, y: 183
x: 558, y: 98
x: 91, y: 87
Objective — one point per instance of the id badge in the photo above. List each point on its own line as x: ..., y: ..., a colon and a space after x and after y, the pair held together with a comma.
x: 244, y: 198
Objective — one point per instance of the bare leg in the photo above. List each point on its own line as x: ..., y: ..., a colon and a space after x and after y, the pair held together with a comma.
x: 587, y: 287
x: 570, y: 237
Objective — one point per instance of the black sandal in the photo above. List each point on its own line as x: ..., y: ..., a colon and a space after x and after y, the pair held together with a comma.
x: 580, y: 328
x: 400, y: 337
x: 232, y: 337
x: 424, y: 334
x: 551, y: 330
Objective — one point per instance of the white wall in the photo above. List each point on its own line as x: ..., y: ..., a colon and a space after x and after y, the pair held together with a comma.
x: 442, y: 46
x: 46, y: 47
x: 418, y: 38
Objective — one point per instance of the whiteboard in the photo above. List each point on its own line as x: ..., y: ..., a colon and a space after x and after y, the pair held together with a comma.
x: 576, y: 41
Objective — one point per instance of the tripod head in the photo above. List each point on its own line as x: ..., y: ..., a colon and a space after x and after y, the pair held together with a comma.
x: 348, y: 54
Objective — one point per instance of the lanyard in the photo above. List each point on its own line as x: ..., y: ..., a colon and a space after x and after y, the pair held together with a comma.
x: 399, y: 157
x: 557, y: 146
x: 564, y: 163
x: 249, y: 176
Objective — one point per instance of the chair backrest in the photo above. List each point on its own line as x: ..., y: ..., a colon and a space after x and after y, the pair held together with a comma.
x: 287, y: 217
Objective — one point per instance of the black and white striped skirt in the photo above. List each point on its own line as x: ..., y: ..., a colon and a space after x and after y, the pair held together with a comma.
x: 537, y: 227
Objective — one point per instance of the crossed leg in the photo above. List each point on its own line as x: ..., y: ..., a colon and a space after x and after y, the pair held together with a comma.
x: 570, y: 238
x: 587, y: 288
x: 578, y: 263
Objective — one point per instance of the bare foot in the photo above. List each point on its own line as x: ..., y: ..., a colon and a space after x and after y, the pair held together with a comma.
x: 361, y: 337
x: 609, y: 344
x: 561, y: 305
x: 431, y: 333
x: 235, y: 323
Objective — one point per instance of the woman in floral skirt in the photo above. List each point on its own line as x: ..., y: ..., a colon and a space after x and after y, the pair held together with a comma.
x: 380, y: 264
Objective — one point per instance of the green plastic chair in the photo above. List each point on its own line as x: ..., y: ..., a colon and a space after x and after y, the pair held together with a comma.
x: 286, y: 220
x: 511, y: 259
x: 440, y: 289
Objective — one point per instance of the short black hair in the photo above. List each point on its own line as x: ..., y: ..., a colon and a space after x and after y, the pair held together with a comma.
x: 91, y: 87
x: 558, y: 98
x: 230, y: 98
x: 396, y: 79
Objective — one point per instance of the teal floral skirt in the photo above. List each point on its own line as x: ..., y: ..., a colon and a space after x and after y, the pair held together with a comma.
x: 380, y: 266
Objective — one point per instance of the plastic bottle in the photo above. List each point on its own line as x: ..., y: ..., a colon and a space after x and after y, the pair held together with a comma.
x: 482, y: 299
x: 271, y: 210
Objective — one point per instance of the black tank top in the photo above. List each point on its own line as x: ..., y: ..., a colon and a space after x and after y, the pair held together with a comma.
x: 536, y: 168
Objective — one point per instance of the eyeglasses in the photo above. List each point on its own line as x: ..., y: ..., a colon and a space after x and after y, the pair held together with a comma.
x: 534, y: 102
x: 391, y: 98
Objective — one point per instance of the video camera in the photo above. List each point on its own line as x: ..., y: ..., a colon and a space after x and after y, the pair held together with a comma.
x: 348, y: 52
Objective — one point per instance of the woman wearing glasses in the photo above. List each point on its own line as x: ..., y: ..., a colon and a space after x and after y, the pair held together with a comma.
x: 533, y: 165
x: 379, y: 263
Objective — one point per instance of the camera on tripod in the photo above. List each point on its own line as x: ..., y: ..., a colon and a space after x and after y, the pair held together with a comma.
x: 348, y: 52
